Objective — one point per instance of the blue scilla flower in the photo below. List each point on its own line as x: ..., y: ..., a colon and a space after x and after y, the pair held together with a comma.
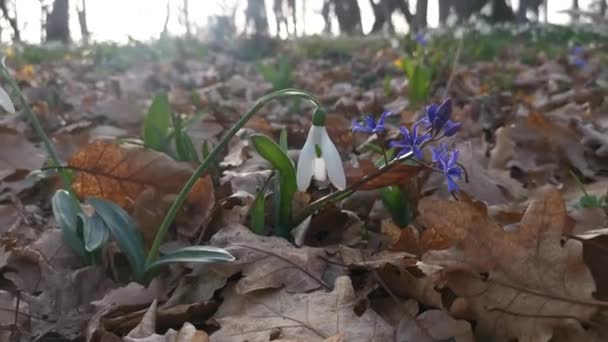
x: 410, y: 142
x: 447, y: 162
x: 577, y: 56
x: 369, y: 125
x: 421, y: 39
x: 437, y: 117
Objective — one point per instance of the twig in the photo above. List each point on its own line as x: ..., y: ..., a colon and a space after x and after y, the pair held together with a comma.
x: 290, y: 318
x: 446, y: 92
x: 512, y: 313
x: 305, y: 271
x: 596, y: 303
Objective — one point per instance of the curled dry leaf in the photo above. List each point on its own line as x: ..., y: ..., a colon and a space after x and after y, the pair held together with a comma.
x: 399, y: 174
x: 533, y: 282
x: 301, y: 317
x: 143, y: 182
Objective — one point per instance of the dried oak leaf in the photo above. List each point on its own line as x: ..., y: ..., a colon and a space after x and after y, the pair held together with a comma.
x: 145, y: 331
x: 315, y: 316
x: 518, y: 284
x: 270, y: 262
x: 433, y: 326
x: 18, y: 156
x: 143, y: 182
x: 399, y: 174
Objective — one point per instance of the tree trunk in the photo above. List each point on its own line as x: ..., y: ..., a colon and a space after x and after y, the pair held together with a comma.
x: 575, y: 8
x: 165, y: 31
x: 186, y: 18
x: 444, y: 11
x: 349, y: 16
x: 255, y: 16
x: 421, y: 13
x: 603, y: 8
x: 58, y: 22
x: 82, y: 20
x: 501, y: 12
x: 12, y: 20
x: 380, y: 15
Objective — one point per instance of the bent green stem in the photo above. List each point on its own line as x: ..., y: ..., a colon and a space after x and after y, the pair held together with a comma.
x: 181, y: 197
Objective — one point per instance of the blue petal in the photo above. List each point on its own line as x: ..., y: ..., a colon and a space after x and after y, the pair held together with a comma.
x: 452, y: 185
x: 418, y: 153
x: 431, y: 112
x: 357, y: 127
x: 451, y: 128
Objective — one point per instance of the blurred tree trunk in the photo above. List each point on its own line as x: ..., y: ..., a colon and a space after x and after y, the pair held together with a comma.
x: 575, y: 8
x: 420, y: 21
x: 603, y: 8
x: 12, y: 20
x: 381, y: 16
x: 383, y: 12
x: 165, y: 31
x: 501, y: 11
x: 58, y: 22
x: 82, y: 20
x: 444, y: 11
x: 348, y: 15
x: 255, y: 16
x: 186, y: 18
x: 326, y: 13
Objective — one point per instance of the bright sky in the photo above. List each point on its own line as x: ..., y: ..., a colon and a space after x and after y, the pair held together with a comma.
x: 115, y: 20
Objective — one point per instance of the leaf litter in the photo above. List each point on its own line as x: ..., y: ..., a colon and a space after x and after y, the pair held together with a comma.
x: 513, y: 256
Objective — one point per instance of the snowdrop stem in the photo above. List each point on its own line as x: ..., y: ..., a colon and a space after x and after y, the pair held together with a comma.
x: 181, y: 197
x: 48, y: 145
x: 342, y: 194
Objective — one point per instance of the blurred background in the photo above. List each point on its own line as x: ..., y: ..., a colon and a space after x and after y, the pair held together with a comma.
x: 36, y: 21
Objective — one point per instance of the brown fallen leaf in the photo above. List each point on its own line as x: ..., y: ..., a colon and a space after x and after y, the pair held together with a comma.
x: 143, y: 182
x: 518, y: 284
x: 270, y: 262
x: 18, y: 156
x: 433, y: 326
x: 145, y: 321
x: 314, y: 316
x: 399, y: 174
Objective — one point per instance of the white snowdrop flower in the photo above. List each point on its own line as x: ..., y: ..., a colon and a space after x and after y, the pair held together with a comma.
x: 319, y: 157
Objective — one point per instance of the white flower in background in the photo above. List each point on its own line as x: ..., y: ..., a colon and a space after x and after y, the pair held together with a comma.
x: 319, y: 157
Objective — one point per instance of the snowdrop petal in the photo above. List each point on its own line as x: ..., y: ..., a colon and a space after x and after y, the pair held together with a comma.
x: 306, y: 160
x: 320, y: 173
x: 333, y: 162
x: 6, y: 102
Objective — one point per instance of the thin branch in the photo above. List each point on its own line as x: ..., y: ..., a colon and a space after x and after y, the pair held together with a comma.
x: 454, y: 67
x: 519, y: 314
x: 289, y: 318
x: 305, y: 271
x: 595, y: 303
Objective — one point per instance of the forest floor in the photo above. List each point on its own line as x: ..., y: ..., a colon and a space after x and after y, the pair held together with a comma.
x: 520, y: 252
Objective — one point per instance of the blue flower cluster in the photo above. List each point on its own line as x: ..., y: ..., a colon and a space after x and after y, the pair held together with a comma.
x: 435, y: 125
x: 577, y: 56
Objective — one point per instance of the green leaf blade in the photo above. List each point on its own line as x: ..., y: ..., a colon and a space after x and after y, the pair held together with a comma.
x: 198, y: 254
x: 95, y: 232
x: 156, y: 124
x: 66, y: 211
x: 273, y: 153
x: 124, y: 231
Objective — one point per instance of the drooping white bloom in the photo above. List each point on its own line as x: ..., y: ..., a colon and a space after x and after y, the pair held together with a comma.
x: 319, y: 157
